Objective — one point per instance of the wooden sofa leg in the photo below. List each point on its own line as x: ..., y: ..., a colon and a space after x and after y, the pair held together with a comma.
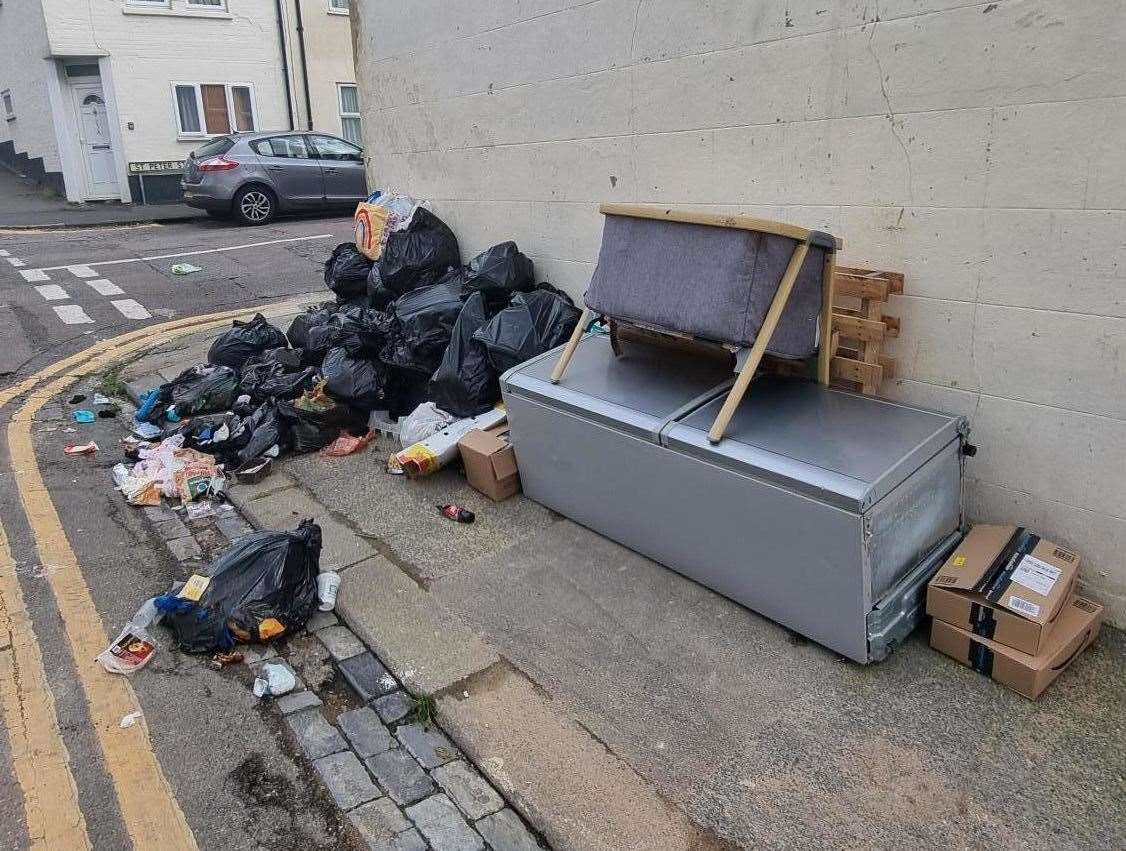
x: 762, y: 340
x: 572, y: 344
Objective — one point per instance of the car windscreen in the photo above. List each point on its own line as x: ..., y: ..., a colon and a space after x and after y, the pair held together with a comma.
x: 214, y: 148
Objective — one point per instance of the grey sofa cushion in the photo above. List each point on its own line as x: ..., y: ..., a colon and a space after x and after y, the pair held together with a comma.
x: 711, y: 282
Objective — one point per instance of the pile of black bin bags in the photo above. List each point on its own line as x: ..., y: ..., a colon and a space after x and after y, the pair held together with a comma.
x: 415, y: 326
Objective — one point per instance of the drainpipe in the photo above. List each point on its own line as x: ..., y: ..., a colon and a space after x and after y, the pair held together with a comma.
x: 285, y: 63
x: 304, y: 66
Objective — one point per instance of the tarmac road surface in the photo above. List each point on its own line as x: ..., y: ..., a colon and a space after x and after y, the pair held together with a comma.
x: 206, y: 768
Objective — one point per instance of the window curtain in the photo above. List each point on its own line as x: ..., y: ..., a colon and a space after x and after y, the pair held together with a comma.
x: 186, y: 105
x: 215, y: 109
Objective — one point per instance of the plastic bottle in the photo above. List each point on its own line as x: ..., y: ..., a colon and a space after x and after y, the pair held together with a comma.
x: 454, y: 512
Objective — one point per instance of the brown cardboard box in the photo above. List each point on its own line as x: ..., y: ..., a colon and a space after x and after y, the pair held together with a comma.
x: 1006, y: 584
x: 1076, y: 628
x: 490, y: 462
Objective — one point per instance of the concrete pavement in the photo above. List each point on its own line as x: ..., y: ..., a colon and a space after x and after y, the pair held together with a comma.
x: 619, y: 705
x: 25, y: 205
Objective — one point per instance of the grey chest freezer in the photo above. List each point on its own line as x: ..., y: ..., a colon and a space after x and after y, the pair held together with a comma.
x: 824, y: 510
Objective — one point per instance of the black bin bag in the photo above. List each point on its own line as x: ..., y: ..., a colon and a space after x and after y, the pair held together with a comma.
x: 465, y: 383
x: 262, y: 381
x: 298, y: 332
x: 358, y: 382
x: 417, y: 256
x: 502, y: 267
x: 245, y: 340
x: 421, y: 325
x: 259, y: 433
x: 201, y: 390
x: 264, y: 586
x: 346, y: 272
x: 532, y: 324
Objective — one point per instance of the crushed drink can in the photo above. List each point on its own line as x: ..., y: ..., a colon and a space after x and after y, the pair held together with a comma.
x: 455, y: 512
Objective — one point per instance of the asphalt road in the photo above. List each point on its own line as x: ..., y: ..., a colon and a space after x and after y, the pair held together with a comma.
x: 230, y: 769
x: 48, y: 310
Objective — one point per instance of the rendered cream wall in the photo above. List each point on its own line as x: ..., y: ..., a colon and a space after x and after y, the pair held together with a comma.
x: 149, y: 52
x: 24, y: 69
x: 328, y: 47
x: 977, y: 147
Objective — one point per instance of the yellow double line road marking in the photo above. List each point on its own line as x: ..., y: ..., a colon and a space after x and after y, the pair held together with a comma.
x: 149, y: 810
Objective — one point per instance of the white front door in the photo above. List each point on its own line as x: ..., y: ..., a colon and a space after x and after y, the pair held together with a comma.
x: 94, y: 141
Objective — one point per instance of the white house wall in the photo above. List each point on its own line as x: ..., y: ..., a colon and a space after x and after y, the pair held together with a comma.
x: 328, y: 50
x: 24, y: 69
x: 149, y: 51
x: 975, y: 146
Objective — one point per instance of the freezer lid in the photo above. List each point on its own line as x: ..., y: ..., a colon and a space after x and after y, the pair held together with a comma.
x: 638, y: 392
x: 835, y: 445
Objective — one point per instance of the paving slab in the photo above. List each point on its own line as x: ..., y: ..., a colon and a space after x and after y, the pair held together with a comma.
x: 369, y: 678
x: 394, y: 707
x: 427, y: 744
x: 295, y: 701
x: 401, y: 776
x: 346, y: 779
x: 505, y: 832
x: 319, y: 620
x: 439, y: 821
x: 285, y: 508
x: 364, y: 731
x: 379, y: 822
x: 468, y: 789
x: 341, y: 642
x: 426, y: 646
x: 315, y: 735
x: 184, y: 549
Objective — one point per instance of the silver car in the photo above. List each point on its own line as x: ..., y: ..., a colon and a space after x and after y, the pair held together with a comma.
x: 255, y: 176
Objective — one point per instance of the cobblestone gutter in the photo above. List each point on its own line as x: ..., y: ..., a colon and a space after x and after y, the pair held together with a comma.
x: 402, y: 784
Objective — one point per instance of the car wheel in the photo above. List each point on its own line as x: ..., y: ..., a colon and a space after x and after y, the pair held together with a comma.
x: 255, y: 205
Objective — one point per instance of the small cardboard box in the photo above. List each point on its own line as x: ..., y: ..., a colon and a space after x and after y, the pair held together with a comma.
x: 1006, y: 584
x: 1076, y: 628
x: 490, y: 462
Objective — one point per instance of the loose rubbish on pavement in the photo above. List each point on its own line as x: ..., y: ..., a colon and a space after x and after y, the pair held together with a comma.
x: 438, y: 450
x: 277, y: 679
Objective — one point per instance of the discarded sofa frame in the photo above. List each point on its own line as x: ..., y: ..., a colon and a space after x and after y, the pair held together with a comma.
x: 804, y: 241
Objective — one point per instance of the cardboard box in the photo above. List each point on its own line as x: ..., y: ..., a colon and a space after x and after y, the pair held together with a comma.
x: 1006, y: 584
x: 490, y: 462
x: 1076, y: 629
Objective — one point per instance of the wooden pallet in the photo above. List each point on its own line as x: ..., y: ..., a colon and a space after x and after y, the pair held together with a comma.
x: 860, y: 328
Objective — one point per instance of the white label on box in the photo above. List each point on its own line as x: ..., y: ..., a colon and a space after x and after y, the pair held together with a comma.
x: 1024, y: 607
x: 1035, y: 574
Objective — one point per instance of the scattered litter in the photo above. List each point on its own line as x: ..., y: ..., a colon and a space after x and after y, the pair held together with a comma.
x: 83, y: 416
x: 455, y: 512
x: 69, y: 430
x: 222, y: 660
x: 77, y: 398
x: 328, y: 585
x: 278, y: 680
x: 148, y: 403
x: 99, y: 399
x: 134, y: 647
x: 422, y: 422
x: 347, y: 444
x: 129, y: 720
x: 254, y: 471
x: 184, y: 269
x: 146, y: 431
x: 438, y: 450
x: 199, y: 510
x: 81, y: 448
x: 108, y: 413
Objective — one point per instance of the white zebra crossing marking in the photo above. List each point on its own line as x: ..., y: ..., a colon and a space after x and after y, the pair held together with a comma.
x: 15, y: 261
x: 131, y: 309
x: 34, y: 275
x: 52, y: 292
x: 82, y: 271
x: 103, y: 287
x: 72, y: 314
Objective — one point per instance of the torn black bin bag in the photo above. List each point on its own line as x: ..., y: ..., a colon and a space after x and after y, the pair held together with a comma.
x: 419, y: 255
x: 465, y: 383
x: 215, y: 434
x: 532, y: 324
x: 502, y: 267
x: 422, y: 322
x: 313, y: 429
x: 358, y: 382
x: 262, y: 381
x: 245, y: 340
x: 201, y: 390
x: 346, y: 272
x: 261, y: 432
x: 263, y: 587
